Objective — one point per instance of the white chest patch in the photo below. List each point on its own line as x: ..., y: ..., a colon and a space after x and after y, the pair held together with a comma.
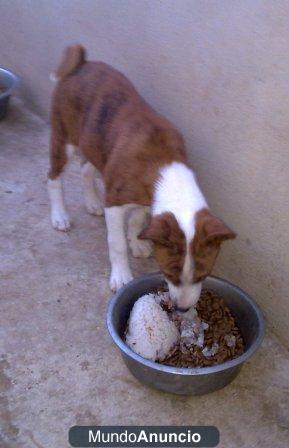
x: 177, y: 191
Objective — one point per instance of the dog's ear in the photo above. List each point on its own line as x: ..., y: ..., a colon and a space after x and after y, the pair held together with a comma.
x: 210, y: 233
x: 157, y: 230
x: 214, y: 229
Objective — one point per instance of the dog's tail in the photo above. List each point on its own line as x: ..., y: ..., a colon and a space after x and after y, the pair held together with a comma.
x: 73, y: 58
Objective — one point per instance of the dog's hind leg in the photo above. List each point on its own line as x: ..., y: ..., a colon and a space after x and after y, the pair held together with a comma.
x: 58, y: 159
x: 93, y: 195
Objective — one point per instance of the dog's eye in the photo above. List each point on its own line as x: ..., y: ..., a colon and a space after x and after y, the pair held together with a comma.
x: 163, y: 244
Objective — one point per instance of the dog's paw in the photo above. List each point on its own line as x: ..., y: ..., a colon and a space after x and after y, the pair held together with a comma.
x: 94, y: 207
x: 60, y: 220
x: 119, y: 277
x: 140, y: 248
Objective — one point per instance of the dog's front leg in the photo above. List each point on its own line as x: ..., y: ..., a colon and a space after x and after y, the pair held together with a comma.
x: 117, y: 247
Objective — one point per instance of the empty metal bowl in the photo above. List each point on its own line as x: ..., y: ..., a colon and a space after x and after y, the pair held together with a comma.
x: 184, y: 381
x: 8, y: 82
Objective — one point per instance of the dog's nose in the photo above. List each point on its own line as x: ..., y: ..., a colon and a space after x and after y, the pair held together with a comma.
x: 182, y: 310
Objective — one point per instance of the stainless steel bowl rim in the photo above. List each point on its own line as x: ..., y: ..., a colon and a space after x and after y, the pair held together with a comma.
x: 184, y: 370
x: 14, y: 78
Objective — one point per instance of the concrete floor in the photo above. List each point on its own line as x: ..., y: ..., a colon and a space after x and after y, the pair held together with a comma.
x: 58, y: 365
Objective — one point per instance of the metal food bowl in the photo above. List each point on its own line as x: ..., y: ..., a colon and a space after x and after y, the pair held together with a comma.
x: 186, y: 381
x: 8, y: 82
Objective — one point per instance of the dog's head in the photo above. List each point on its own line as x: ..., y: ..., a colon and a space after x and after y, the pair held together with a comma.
x: 186, y: 263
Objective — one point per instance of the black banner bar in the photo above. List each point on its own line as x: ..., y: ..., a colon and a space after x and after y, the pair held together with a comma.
x: 143, y: 436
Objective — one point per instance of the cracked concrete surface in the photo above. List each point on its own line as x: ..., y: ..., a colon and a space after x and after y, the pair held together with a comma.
x: 58, y: 366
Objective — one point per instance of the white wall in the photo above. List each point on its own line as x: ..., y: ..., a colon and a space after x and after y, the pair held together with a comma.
x: 220, y: 71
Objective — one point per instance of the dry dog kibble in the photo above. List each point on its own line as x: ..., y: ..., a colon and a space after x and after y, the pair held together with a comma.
x: 222, y: 339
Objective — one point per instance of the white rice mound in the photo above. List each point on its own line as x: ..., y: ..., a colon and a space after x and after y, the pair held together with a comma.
x: 150, y: 333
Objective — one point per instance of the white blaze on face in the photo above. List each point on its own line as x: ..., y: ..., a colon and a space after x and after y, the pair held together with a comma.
x: 188, y: 268
x: 177, y: 191
x: 186, y: 294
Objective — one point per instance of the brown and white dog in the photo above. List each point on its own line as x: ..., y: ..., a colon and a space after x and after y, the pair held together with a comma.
x: 141, y: 158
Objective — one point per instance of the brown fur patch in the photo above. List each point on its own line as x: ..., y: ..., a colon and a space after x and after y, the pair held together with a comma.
x: 205, y: 247
x: 169, y: 245
x: 97, y: 109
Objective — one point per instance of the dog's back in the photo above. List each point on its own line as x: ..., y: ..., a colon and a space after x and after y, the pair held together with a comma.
x: 97, y: 109
x: 90, y: 96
